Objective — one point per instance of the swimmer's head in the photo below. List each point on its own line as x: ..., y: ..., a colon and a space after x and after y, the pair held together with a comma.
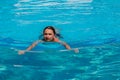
x: 49, y: 33
x: 50, y: 28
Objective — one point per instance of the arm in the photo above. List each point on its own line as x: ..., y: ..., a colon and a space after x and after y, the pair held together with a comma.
x: 76, y: 50
x: 29, y: 48
x: 66, y: 45
x: 32, y: 46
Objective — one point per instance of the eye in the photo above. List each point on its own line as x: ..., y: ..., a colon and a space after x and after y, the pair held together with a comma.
x: 50, y: 34
x: 45, y: 33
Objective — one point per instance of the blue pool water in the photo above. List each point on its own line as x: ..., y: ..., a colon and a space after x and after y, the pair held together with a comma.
x: 91, y: 25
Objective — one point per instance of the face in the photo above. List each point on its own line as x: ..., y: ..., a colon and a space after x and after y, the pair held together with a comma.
x: 49, y: 35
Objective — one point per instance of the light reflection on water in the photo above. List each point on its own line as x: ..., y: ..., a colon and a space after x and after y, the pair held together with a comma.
x: 97, y: 62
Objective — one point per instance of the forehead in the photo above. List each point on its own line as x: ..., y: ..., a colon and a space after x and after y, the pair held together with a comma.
x: 48, y: 31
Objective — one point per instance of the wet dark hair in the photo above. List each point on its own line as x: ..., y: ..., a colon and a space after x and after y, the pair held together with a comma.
x: 50, y: 27
x: 57, y: 34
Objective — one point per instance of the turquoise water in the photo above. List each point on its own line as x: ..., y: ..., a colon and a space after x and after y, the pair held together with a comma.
x: 91, y: 25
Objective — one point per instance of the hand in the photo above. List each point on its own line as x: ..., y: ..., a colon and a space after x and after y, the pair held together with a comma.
x: 76, y: 50
x: 21, y: 52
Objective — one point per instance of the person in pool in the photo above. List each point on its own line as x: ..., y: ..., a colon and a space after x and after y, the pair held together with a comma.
x: 49, y: 35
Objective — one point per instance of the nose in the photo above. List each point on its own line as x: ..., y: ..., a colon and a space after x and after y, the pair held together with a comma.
x: 47, y: 35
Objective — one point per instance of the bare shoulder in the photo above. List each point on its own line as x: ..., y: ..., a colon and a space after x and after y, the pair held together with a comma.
x: 62, y: 42
x: 38, y: 41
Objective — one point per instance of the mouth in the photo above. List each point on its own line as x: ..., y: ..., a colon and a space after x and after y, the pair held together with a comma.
x: 48, y: 39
